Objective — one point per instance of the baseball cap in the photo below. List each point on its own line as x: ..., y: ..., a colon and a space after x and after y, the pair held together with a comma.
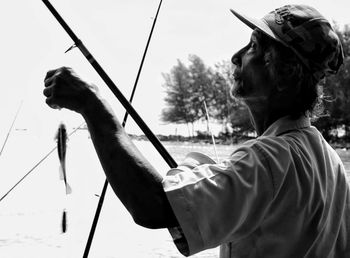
x: 304, y: 30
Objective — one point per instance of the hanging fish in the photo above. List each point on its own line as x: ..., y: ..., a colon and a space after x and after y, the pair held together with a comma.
x: 62, y: 148
x: 62, y: 138
x: 64, y: 221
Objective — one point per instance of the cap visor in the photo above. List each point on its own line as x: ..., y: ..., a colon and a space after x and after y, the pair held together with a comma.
x: 256, y: 24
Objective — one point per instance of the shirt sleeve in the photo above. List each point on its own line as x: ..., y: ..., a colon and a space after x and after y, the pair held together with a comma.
x: 217, y: 203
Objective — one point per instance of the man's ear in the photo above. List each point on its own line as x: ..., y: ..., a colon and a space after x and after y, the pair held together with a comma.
x: 291, y: 81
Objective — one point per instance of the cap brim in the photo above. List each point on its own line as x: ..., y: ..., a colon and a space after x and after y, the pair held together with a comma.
x: 256, y: 24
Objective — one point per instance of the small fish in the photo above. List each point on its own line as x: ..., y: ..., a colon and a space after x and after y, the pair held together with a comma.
x: 62, y: 148
x: 64, y: 221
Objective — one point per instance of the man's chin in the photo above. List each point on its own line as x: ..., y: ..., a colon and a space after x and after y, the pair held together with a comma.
x: 237, y: 91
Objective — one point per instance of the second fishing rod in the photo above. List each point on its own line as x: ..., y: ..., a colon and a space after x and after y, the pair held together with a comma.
x: 111, y: 85
x: 105, y: 185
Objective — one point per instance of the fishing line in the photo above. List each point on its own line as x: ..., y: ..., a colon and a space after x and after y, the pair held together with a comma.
x: 209, y: 129
x: 9, y: 131
x: 37, y: 164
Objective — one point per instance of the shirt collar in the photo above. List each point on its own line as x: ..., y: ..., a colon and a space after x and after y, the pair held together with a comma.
x: 285, y: 124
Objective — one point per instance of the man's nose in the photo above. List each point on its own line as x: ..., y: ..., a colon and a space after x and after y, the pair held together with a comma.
x: 237, y: 57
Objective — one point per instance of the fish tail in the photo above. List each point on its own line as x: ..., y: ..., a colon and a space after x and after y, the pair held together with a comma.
x: 68, y: 189
x: 60, y: 171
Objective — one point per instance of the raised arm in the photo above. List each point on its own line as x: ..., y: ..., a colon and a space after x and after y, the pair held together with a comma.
x: 133, y: 179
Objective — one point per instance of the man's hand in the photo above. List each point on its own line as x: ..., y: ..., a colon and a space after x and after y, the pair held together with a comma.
x: 64, y: 89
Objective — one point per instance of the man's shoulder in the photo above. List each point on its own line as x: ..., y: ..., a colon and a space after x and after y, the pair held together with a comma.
x: 274, y: 151
x: 267, y: 143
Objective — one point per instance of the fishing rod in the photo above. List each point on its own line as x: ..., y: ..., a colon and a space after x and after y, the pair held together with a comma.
x: 105, y: 185
x: 13, y: 122
x: 117, y: 93
x: 209, y: 129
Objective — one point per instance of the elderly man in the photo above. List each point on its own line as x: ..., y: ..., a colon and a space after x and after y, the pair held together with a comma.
x: 283, y: 194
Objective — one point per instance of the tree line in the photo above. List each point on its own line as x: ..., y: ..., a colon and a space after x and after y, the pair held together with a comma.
x: 187, y: 87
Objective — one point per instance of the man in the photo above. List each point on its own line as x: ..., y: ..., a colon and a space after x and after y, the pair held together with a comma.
x: 283, y: 194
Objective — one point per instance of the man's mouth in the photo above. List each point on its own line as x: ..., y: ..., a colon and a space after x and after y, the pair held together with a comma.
x: 236, y: 75
x: 236, y: 89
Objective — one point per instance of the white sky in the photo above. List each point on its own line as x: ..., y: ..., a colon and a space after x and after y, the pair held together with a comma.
x: 115, y: 32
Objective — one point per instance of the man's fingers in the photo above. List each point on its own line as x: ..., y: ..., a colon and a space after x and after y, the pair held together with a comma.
x: 50, y: 73
x: 47, y: 91
x: 62, y: 72
x: 51, y: 98
x: 49, y: 101
x: 48, y: 81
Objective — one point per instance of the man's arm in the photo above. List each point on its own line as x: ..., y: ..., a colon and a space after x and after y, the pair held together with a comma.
x: 132, y: 177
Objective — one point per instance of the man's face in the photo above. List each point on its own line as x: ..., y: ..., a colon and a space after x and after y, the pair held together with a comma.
x: 251, y: 79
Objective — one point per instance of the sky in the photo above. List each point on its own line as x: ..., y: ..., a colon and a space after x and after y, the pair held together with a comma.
x: 32, y: 42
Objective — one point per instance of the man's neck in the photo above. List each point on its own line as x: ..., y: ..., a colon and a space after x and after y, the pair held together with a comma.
x: 261, y: 115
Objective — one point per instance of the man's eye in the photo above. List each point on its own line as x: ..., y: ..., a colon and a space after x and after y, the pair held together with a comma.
x: 253, y: 45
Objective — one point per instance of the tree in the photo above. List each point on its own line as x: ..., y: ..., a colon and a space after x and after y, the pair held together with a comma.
x: 227, y: 108
x: 201, y: 85
x: 179, y: 106
x: 186, y: 90
x: 188, y: 87
x: 337, y: 90
x: 222, y: 82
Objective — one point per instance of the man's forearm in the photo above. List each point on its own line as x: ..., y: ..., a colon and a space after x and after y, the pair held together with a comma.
x: 132, y: 177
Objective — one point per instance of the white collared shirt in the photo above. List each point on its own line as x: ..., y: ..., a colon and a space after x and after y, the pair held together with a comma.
x: 284, y: 194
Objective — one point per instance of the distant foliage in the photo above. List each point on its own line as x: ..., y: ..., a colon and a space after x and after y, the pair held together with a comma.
x: 231, y: 111
x: 177, y: 85
x: 187, y: 87
x: 337, y: 95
